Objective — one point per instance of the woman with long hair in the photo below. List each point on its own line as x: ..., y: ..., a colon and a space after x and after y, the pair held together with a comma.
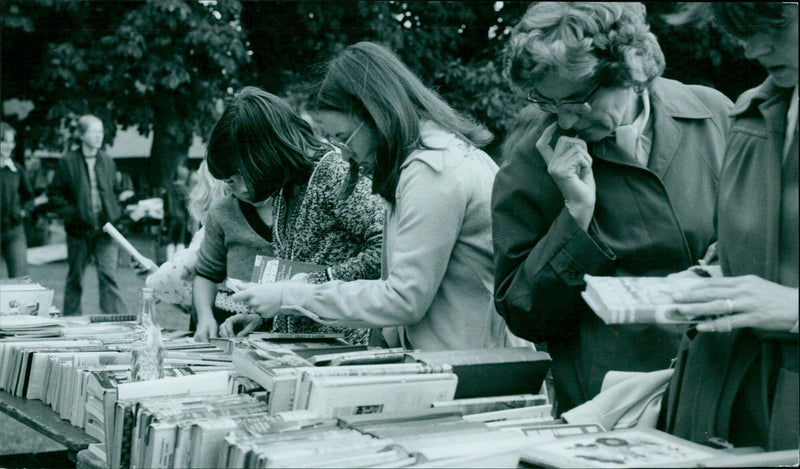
x: 435, y: 290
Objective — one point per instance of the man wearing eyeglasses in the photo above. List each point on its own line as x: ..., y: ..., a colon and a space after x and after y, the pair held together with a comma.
x: 612, y: 171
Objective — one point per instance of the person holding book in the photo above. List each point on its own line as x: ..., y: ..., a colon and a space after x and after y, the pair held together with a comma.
x: 736, y: 378
x: 611, y: 172
x: 435, y: 290
x: 289, y: 200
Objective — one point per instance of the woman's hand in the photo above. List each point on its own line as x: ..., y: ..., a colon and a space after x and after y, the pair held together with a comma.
x: 301, y: 277
x: 696, y: 271
x: 206, y: 329
x: 571, y: 169
x: 248, y: 322
x: 264, y: 299
x: 747, y: 301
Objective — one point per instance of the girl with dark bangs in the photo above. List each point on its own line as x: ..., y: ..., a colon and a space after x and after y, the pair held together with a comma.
x: 286, y: 201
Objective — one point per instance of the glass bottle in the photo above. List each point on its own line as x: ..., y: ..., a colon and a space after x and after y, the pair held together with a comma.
x: 147, y: 360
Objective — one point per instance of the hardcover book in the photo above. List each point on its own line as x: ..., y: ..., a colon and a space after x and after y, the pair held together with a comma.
x: 491, y: 372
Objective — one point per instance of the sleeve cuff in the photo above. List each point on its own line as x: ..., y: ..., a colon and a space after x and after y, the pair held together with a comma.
x: 210, y: 278
x: 581, y: 254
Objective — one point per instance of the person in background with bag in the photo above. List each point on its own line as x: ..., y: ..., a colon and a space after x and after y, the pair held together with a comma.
x: 16, y: 202
x: 736, y: 378
x: 289, y: 200
x: 435, y: 291
x: 611, y: 172
x: 84, y: 194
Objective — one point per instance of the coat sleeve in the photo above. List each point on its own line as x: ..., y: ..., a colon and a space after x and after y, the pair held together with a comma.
x: 25, y: 190
x: 212, y: 257
x: 540, y: 252
x: 427, y: 222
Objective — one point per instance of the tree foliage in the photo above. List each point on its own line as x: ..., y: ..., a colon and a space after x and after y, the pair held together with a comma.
x: 163, y: 65
x: 158, y: 65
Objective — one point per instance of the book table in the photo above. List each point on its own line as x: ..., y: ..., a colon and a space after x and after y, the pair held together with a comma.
x: 36, y: 415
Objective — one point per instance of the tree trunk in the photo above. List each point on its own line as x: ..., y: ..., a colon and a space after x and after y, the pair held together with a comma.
x: 169, y: 149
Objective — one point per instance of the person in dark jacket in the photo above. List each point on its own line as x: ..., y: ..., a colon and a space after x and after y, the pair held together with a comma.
x: 612, y: 172
x: 16, y: 202
x: 736, y: 379
x: 83, y: 193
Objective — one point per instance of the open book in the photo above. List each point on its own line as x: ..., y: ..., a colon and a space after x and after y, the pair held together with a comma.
x: 625, y: 300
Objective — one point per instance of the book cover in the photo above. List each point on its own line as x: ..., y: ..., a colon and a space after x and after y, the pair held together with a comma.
x: 646, y: 300
x: 272, y: 269
x: 619, y: 448
x: 478, y: 405
x: 305, y: 375
x: 334, y: 396
x: 491, y: 372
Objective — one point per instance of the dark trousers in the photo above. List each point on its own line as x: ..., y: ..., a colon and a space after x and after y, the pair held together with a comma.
x: 15, y: 251
x: 80, y: 251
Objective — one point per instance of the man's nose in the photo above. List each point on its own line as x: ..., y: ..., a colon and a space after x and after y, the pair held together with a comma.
x: 567, y: 119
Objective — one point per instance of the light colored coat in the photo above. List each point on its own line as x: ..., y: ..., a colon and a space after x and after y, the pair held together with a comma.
x: 436, y: 277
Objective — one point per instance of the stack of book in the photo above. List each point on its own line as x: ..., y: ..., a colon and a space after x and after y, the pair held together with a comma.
x: 24, y: 296
x: 442, y: 438
x: 123, y: 438
x: 24, y: 325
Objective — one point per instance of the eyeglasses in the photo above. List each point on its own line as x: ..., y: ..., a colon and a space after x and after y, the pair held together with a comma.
x: 577, y: 106
x: 346, y: 144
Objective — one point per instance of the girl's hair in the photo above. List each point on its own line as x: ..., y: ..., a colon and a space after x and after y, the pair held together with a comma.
x: 261, y: 138
x: 607, y: 42
x: 370, y: 82
x: 205, y: 191
x: 743, y: 19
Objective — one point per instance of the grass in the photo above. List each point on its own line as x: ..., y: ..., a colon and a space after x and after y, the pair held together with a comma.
x: 17, y: 438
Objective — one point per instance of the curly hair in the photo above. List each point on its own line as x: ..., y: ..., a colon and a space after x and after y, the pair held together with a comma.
x: 610, y: 43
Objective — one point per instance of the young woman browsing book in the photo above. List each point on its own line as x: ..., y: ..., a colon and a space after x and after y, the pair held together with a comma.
x: 289, y: 201
x: 436, y: 282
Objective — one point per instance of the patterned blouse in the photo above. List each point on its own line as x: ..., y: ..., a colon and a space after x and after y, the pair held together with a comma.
x: 323, y: 228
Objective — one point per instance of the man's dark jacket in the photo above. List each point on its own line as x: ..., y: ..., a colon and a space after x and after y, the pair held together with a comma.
x: 71, y: 194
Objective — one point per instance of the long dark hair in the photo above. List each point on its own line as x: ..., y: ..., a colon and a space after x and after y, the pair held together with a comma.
x: 260, y: 137
x: 368, y: 81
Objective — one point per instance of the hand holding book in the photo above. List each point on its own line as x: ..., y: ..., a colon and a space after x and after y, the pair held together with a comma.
x: 716, y: 304
x: 737, y: 302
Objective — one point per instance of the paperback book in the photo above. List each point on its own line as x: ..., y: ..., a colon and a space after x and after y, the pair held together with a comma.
x: 626, y: 300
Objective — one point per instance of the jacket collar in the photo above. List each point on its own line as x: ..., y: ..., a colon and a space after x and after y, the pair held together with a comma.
x: 669, y: 100
x: 678, y: 101
x: 769, y: 99
x: 435, y: 140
